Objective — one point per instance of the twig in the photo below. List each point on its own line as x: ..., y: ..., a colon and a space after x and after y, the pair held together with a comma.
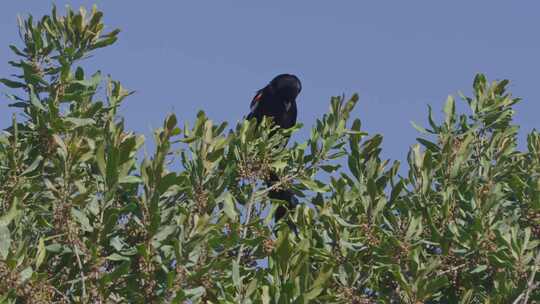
x: 277, y: 185
x: 245, y: 229
x: 60, y: 293
x: 516, y: 301
x: 286, y: 179
x: 530, y: 283
x: 452, y: 269
x: 246, y: 223
x: 83, y: 279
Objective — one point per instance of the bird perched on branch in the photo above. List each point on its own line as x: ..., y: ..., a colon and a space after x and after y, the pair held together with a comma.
x: 278, y: 101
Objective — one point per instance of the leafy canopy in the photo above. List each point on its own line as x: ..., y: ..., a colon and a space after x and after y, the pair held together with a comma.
x: 83, y: 219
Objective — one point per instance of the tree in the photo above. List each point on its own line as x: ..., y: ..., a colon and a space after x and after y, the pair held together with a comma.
x: 84, y: 220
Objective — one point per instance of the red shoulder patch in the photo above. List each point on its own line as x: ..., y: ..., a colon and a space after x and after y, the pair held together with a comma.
x: 257, y: 97
x: 254, y: 102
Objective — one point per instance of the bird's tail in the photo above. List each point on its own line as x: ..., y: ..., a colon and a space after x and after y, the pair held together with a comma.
x: 283, y: 195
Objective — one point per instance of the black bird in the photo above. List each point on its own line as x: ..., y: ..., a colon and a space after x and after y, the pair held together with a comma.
x: 278, y: 100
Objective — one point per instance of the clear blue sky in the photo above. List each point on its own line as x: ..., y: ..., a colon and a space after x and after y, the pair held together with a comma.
x: 399, y: 56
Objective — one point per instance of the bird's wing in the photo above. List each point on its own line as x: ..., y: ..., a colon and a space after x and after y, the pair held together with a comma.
x: 255, y: 103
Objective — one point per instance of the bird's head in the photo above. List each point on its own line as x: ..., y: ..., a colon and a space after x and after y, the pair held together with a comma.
x: 286, y: 86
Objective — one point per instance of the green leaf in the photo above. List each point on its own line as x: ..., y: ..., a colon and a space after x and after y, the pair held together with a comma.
x: 119, y: 271
x: 195, y: 292
x: 170, y: 122
x: 17, y: 51
x: 5, y: 241
x: 130, y: 179
x: 265, y: 297
x: 12, y: 84
x: 80, y: 122
x: 479, y: 268
x: 428, y: 144
x: 229, y: 206
x: 100, y: 158
x: 117, y: 257
x: 419, y: 128
x: 479, y: 83
x: 279, y: 165
x: 4, y: 139
x: 396, y: 191
x: 35, y: 101
x: 82, y: 219
x: 33, y: 166
x: 330, y: 168
x: 103, y: 43
x: 92, y: 82
x: 164, y: 232
x: 116, y: 243
x: 236, y: 275
x: 61, y: 145
x: 431, y: 121
x: 343, y: 222
x: 79, y: 73
x: 318, y: 284
x: 41, y: 252
x: 18, y: 104
x: 251, y: 287
x: 26, y: 274
x: 450, y: 110
x: 314, y: 185
x: 11, y: 214
x: 55, y: 248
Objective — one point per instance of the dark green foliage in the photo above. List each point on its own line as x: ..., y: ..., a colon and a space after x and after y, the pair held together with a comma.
x: 83, y: 220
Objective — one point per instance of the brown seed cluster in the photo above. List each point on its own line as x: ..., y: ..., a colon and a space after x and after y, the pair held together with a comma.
x: 62, y: 212
x: 39, y: 292
x: 352, y: 296
x: 149, y: 284
x: 404, y: 248
x: 201, y: 200
x: 201, y: 262
x: 252, y: 170
x: 47, y: 145
x: 455, y: 143
x: 6, y: 195
x: 181, y: 274
x: 490, y: 243
x: 98, y: 268
x: 8, y: 278
x: 451, y: 264
x: 268, y: 246
x: 58, y: 91
x: 368, y: 232
x: 533, y: 220
x: 136, y: 234
x: 206, y: 282
x: 64, y: 225
x: 340, y: 258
